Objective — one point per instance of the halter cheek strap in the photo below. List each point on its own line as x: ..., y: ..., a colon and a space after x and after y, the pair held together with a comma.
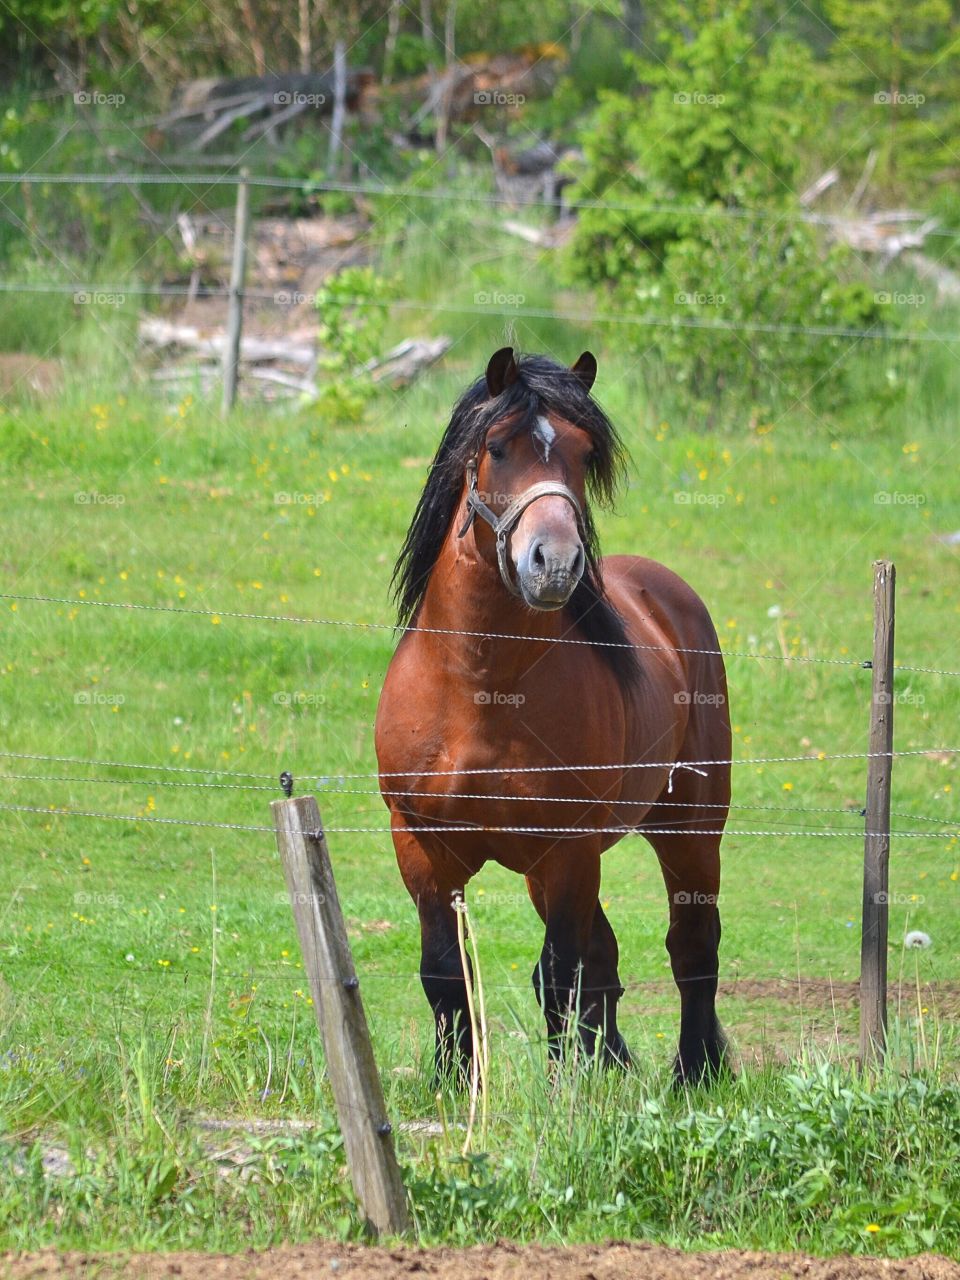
x: 503, y: 525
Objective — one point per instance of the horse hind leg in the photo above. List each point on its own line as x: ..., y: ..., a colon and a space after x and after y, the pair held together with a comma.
x: 691, y: 871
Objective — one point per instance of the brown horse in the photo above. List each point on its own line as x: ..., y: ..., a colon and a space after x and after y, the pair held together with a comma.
x: 487, y: 724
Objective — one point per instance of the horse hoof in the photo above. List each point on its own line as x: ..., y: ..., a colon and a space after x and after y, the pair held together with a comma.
x: 705, y: 1072
x: 617, y: 1055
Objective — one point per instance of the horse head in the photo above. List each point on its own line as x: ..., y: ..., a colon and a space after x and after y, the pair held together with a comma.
x: 527, y: 483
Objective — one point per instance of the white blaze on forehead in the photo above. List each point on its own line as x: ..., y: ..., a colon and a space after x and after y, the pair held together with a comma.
x: 545, y: 434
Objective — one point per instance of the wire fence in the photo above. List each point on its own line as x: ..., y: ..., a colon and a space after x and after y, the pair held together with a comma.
x: 282, y: 983
x: 801, y: 659
x: 329, y: 785
x: 437, y: 827
x: 877, y: 333
x: 328, y: 790
x: 396, y: 192
x: 400, y: 193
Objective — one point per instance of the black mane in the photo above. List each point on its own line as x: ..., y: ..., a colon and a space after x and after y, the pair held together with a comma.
x: 542, y: 386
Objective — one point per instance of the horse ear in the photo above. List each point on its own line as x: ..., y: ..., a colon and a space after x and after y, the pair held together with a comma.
x: 502, y: 371
x: 586, y: 369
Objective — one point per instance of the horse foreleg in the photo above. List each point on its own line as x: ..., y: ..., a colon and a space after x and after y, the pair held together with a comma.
x: 564, y: 890
x: 691, y: 873
x: 441, y: 969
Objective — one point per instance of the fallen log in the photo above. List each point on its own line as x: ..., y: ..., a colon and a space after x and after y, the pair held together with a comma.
x: 947, y: 281
x: 407, y: 360
x: 199, y: 97
x: 159, y: 333
x: 273, y: 100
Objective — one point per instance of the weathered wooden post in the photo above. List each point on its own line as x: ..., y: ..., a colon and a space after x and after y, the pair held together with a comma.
x: 334, y: 987
x: 339, y: 105
x: 238, y: 271
x: 876, y: 848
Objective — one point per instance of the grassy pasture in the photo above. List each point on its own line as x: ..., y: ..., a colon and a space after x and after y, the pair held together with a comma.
x: 149, y: 973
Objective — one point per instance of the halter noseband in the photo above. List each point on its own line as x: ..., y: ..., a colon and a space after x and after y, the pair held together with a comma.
x: 504, y: 524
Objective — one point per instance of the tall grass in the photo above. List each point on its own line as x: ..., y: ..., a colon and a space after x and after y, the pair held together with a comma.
x: 811, y: 1157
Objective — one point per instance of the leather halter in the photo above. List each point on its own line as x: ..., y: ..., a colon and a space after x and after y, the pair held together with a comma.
x: 503, y: 525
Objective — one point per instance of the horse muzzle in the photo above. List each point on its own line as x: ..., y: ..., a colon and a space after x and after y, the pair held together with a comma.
x: 549, y: 571
x: 551, y: 565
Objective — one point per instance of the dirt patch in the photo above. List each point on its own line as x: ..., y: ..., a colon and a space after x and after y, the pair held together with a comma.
x: 502, y: 1261
x: 942, y: 998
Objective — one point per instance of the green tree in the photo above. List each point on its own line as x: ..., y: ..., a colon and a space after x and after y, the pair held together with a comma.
x: 721, y: 125
x: 894, y: 71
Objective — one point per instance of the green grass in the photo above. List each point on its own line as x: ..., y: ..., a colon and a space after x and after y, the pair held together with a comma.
x: 149, y: 973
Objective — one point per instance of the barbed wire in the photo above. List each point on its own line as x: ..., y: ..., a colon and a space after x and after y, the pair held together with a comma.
x: 150, y: 782
x: 297, y: 977
x: 620, y: 803
x: 126, y: 764
x: 137, y: 606
x: 590, y: 802
x: 493, y: 199
x: 549, y: 832
x: 649, y: 764
x: 324, y: 779
x: 875, y: 333
x: 443, y: 631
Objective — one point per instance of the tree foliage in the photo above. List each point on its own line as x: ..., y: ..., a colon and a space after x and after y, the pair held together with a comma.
x: 720, y: 125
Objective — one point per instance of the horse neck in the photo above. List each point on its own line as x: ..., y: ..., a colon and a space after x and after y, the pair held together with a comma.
x: 465, y: 594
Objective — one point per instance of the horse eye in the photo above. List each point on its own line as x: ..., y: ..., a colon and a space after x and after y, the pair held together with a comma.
x: 496, y: 452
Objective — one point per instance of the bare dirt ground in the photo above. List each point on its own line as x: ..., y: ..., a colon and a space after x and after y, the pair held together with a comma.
x: 502, y: 1261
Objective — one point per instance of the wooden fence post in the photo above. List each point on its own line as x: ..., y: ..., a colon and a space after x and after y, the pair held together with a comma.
x: 334, y: 987
x: 238, y: 271
x: 876, y: 848
x: 339, y: 106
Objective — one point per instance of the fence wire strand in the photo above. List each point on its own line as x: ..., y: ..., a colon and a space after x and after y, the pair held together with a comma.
x: 548, y: 832
x: 588, y: 802
x: 141, y: 607
x: 522, y: 313
x: 492, y: 199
